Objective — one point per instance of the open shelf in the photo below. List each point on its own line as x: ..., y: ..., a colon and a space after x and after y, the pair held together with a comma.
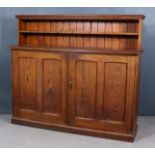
x: 80, y: 33
x: 99, y: 34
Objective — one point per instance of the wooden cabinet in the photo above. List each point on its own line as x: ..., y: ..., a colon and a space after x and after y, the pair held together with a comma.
x: 78, y: 74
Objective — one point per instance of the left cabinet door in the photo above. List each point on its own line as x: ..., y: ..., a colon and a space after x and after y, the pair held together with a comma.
x: 39, y: 86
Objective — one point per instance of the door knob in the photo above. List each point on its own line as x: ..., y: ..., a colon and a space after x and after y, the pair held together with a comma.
x: 70, y: 84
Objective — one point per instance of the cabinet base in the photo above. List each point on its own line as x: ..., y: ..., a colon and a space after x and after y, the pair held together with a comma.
x: 77, y: 130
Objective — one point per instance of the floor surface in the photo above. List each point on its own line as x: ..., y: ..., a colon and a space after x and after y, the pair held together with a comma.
x: 12, y: 135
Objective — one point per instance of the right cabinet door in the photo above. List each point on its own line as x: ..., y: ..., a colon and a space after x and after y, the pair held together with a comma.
x: 101, y: 91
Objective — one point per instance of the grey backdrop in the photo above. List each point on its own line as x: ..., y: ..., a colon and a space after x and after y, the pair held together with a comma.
x: 8, y: 36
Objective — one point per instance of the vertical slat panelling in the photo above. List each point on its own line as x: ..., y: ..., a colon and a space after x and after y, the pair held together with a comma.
x: 28, y: 38
x: 22, y: 25
x: 31, y: 26
x: 132, y: 27
x: 131, y: 41
x: 69, y: 38
x: 115, y: 41
x: 100, y: 39
x: 123, y: 40
x: 22, y: 37
x: 73, y: 37
x: 80, y: 28
x: 28, y: 41
x: 93, y: 39
x: 53, y: 37
x: 66, y: 37
x: 136, y: 27
x: 47, y: 37
x: 41, y: 37
x: 60, y: 38
x: 87, y: 28
x: 34, y: 37
x: 108, y: 40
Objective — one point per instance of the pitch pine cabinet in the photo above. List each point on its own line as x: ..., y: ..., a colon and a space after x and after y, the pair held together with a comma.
x: 78, y: 73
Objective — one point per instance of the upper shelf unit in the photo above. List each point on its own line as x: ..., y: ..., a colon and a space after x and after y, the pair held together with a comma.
x: 107, y: 32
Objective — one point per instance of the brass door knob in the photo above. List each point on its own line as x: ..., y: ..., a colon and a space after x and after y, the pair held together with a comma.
x: 70, y: 84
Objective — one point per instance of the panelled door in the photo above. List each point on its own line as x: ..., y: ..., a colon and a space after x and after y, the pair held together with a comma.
x: 39, y: 86
x: 101, y: 91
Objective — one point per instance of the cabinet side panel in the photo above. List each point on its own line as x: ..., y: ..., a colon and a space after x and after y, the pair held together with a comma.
x: 115, y: 91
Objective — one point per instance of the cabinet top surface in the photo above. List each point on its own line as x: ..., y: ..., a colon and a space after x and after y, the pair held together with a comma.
x: 82, y: 17
x: 78, y: 50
